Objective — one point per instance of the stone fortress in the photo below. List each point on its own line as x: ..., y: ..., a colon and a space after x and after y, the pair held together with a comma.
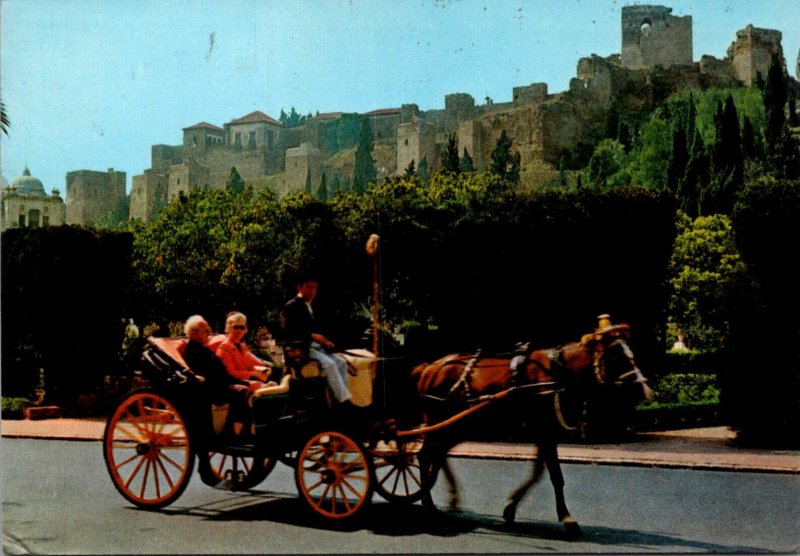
x: 656, y: 60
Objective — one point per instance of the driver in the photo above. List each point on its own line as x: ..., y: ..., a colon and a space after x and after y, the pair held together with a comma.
x: 300, y: 325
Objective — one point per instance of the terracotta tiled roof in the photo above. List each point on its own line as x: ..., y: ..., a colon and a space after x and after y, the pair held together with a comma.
x: 204, y: 125
x: 384, y: 112
x: 326, y: 116
x: 256, y: 116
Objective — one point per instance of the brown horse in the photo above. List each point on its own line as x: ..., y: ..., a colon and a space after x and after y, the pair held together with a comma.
x: 537, y: 388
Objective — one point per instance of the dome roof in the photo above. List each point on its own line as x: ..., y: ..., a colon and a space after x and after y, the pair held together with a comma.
x: 27, y: 184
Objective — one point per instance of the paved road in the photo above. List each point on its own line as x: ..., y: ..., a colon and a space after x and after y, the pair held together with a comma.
x: 57, y: 498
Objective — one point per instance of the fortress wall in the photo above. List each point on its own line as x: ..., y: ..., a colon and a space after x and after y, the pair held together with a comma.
x: 92, y: 195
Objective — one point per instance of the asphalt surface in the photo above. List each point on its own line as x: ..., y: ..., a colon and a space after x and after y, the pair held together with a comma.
x: 710, y: 448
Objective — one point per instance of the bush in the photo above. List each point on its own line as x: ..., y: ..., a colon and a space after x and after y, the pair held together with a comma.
x: 12, y: 408
x: 684, y: 389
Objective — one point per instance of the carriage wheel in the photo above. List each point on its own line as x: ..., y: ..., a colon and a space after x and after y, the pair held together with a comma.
x: 334, y: 475
x: 398, y: 475
x: 147, y: 450
x: 239, y: 472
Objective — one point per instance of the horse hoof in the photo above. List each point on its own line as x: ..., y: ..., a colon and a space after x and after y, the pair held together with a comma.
x: 454, y: 503
x: 571, y: 525
x: 509, y: 514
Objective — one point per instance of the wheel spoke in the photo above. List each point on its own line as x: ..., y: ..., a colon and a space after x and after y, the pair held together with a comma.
x: 135, y: 472
x: 165, y: 473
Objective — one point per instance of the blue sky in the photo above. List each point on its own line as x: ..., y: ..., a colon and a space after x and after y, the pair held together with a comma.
x: 92, y: 84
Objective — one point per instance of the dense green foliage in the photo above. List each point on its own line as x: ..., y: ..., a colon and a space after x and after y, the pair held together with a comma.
x: 64, y: 292
x: 762, y: 390
x: 705, y: 263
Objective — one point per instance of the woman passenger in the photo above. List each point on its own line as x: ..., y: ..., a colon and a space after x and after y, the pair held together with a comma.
x: 240, y: 362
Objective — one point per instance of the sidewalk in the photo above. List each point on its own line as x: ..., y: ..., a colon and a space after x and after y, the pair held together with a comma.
x: 704, y: 448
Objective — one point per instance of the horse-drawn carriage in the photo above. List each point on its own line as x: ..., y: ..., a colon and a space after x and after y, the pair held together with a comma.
x: 154, y: 435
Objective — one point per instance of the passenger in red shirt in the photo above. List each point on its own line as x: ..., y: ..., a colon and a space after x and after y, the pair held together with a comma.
x: 240, y: 362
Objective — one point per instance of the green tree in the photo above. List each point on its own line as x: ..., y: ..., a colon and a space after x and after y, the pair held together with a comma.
x: 694, y: 184
x: 678, y: 159
x: 605, y: 166
x: 649, y: 168
x: 450, y: 160
x: 410, y: 170
x: 336, y: 186
x: 775, y: 96
x: 364, y: 171
x: 422, y: 170
x: 727, y: 159
x: 322, y: 192
x: 466, y: 163
x: 307, y: 188
x: 705, y: 263
x: 235, y: 182
x: 504, y: 164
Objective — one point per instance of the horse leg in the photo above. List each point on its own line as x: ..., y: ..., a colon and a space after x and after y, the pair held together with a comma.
x: 510, y: 511
x: 557, y: 479
x: 451, y: 481
x: 432, y: 459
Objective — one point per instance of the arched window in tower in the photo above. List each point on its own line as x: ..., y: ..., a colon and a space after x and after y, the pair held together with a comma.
x: 646, y: 28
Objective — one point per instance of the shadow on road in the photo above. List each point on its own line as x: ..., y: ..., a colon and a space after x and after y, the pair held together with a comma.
x: 397, y: 520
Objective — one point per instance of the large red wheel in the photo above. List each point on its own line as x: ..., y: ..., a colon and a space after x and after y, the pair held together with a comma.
x: 237, y: 472
x: 398, y: 476
x: 147, y: 450
x: 334, y: 475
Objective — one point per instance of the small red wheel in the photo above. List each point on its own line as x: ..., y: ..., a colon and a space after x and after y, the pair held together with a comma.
x: 398, y: 476
x: 238, y: 472
x: 147, y: 450
x: 334, y: 475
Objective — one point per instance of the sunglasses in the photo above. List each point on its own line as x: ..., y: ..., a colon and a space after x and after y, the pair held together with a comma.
x: 239, y: 327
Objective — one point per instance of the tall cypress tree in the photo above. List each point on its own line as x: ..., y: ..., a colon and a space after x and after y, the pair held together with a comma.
x: 679, y: 157
x: 410, y: 170
x: 727, y: 158
x: 322, y: 192
x: 775, y: 95
x: 450, y: 161
x: 364, y: 171
x: 504, y: 164
x: 695, y: 182
x: 235, y: 182
x: 308, y: 182
x: 466, y: 163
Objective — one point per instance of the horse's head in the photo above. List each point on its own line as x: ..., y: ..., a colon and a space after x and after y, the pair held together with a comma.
x: 614, y: 363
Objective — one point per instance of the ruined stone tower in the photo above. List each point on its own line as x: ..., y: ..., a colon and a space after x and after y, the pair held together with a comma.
x: 652, y: 37
x: 752, y: 51
x: 92, y: 196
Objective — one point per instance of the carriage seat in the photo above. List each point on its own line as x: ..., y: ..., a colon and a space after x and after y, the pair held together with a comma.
x: 173, y: 347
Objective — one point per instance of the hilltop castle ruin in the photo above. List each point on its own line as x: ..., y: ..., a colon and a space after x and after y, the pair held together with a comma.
x: 656, y: 61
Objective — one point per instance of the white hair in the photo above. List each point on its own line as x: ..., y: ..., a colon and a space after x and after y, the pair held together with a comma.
x: 193, y: 322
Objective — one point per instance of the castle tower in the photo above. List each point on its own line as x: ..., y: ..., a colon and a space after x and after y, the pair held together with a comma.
x: 92, y: 196
x: 415, y: 141
x: 751, y: 53
x: 301, y: 162
x: 148, y: 196
x: 653, y: 37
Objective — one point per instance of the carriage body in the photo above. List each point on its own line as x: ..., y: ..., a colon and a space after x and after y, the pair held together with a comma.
x: 157, y: 431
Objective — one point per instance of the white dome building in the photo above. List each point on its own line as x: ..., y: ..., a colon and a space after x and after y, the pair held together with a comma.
x: 24, y: 204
